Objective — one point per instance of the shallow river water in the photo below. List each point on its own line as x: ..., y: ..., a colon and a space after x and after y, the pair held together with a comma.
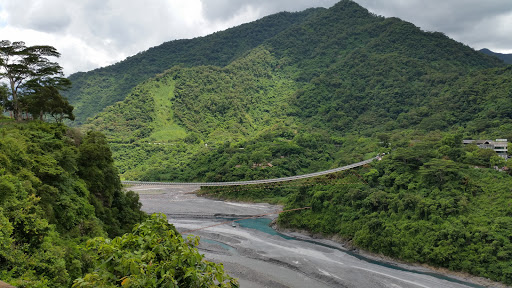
x: 261, y: 257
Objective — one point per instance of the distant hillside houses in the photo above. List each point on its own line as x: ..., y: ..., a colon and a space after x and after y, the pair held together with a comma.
x: 499, y: 146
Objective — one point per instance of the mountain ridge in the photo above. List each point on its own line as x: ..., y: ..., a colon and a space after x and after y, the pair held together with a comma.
x: 94, y: 90
x: 361, y: 75
x: 507, y: 58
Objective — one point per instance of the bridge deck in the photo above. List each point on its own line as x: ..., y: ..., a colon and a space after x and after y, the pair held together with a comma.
x: 253, y: 182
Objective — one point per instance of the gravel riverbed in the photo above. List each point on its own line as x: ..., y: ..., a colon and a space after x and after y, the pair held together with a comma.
x: 262, y: 258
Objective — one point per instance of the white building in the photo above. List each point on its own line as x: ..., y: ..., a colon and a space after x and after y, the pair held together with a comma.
x: 499, y: 146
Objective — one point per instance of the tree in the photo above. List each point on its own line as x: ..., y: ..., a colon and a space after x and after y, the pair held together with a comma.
x: 497, y: 161
x: 19, y: 64
x: 153, y: 255
x: 60, y: 108
x: 95, y: 166
x: 508, y: 164
x: 439, y: 171
x: 42, y: 96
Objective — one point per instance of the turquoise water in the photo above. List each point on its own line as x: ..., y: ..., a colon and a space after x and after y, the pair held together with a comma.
x: 224, y: 246
x: 262, y: 224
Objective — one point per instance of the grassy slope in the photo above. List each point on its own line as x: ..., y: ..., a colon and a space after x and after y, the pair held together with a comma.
x: 251, y: 100
x: 164, y: 129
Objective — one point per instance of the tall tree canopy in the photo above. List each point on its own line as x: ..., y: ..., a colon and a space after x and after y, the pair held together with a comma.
x: 22, y: 65
x: 42, y: 96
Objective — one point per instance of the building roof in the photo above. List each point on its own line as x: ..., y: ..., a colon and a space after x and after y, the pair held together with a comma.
x: 498, y: 142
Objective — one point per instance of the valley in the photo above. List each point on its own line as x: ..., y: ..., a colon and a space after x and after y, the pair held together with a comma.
x: 297, y: 105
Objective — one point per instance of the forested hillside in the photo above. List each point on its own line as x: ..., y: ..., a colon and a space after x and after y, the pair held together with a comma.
x: 315, y: 96
x: 430, y: 201
x: 94, y: 90
x: 62, y: 204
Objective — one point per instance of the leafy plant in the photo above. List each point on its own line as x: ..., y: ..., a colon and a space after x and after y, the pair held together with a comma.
x: 153, y: 255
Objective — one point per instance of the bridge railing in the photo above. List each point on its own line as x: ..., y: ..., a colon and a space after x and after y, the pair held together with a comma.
x: 253, y: 182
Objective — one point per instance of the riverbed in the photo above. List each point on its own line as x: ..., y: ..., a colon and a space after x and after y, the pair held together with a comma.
x: 261, y: 257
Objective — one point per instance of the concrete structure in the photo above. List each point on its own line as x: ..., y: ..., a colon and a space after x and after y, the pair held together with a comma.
x: 499, y: 146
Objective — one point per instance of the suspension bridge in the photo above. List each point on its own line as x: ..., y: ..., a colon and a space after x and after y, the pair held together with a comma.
x: 254, y: 182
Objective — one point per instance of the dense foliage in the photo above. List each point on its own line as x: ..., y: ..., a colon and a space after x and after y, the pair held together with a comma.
x: 47, y: 208
x: 58, y: 189
x: 429, y: 201
x: 154, y: 255
x: 93, y: 91
x: 324, y: 103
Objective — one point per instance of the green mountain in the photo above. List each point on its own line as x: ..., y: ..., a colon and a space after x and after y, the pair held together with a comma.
x: 314, y: 96
x: 507, y: 58
x: 94, y: 90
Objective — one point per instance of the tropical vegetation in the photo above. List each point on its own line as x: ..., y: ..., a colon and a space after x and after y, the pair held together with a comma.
x: 64, y: 215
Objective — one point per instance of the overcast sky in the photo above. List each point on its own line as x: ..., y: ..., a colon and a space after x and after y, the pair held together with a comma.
x: 96, y: 33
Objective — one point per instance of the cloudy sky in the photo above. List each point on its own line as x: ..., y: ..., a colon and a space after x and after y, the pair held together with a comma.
x: 95, y: 33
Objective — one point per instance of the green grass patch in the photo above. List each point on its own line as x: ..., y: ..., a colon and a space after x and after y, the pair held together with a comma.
x: 164, y: 128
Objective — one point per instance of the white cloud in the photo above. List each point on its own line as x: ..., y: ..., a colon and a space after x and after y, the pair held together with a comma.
x: 3, y: 17
x: 96, y: 33
x: 77, y: 55
x: 491, y: 32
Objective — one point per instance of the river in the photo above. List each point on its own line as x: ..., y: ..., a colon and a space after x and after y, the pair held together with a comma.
x: 261, y: 257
